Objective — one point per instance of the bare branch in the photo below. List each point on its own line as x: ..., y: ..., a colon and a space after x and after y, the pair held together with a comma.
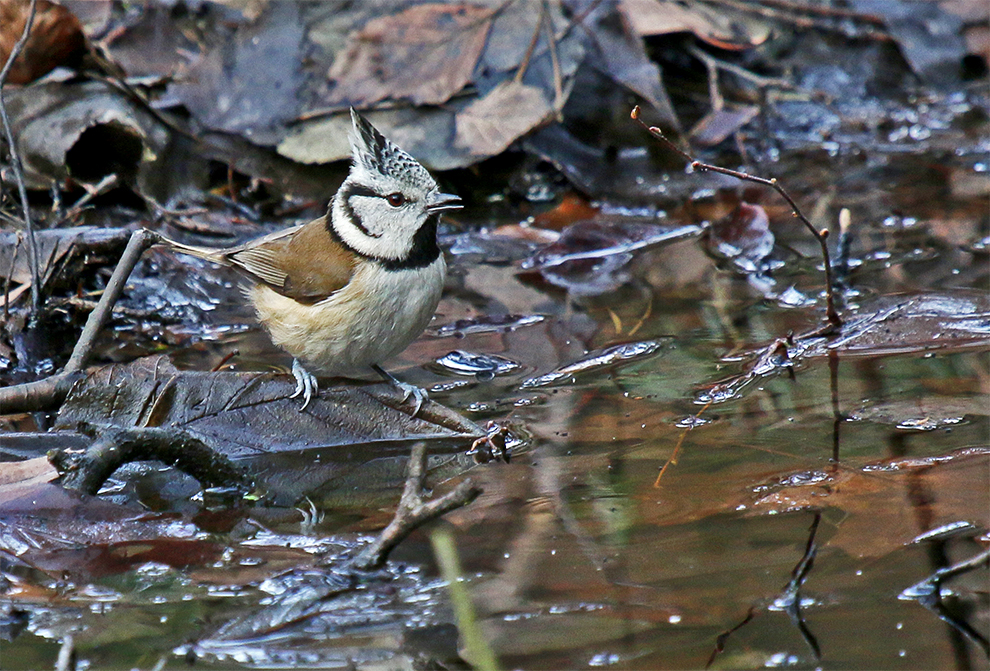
x: 86, y: 472
x: 15, y: 159
x: 140, y: 240
x: 49, y: 392
x: 821, y: 236
x: 413, y: 512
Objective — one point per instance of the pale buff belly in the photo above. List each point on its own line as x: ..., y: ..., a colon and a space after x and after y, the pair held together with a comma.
x: 367, y: 322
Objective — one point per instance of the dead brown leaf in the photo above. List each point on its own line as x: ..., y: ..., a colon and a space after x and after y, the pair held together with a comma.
x: 663, y: 17
x: 489, y: 125
x: 15, y: 475
x: 424, y: 54
x: 56, y: 39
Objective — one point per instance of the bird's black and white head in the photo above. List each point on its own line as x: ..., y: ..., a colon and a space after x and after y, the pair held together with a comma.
x: 389, y: 206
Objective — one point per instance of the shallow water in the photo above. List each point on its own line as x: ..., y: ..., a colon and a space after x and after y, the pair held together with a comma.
x: 636, y: 523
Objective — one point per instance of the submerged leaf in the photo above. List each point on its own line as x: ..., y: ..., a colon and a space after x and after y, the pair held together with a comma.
x: 743, y: 237
x: 590, y: 257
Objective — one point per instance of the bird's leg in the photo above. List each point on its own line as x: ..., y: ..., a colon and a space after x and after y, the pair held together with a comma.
x: 407, y: 390
x: 306, y: 384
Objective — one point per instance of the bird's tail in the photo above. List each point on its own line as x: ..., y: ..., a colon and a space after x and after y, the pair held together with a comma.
x: 215, y: 255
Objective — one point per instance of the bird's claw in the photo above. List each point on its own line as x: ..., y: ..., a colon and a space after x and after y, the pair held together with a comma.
x: 306, y: 384
x: 417, y: 393
x: 406, y: 389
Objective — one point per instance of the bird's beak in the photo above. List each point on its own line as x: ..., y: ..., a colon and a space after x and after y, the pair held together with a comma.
x: 438, y: 202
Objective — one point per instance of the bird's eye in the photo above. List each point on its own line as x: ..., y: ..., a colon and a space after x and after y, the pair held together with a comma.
x: 396, y: 199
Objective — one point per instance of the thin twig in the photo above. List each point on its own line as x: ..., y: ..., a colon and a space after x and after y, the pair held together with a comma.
x: 49, y: 392
x: 524, y: 64
x: 714, y: 94
x: 37, y: 396
x: 677, y: 448
x: 558, y: 78
x: 67, y: 659
x: 140, y: 240
x: 759, y: 80
x: 104, y: 185
x: 15, y: 159
x: 821, y: 236
x: 10, y: 277
x: 226, y: 358
x: 413, y: 510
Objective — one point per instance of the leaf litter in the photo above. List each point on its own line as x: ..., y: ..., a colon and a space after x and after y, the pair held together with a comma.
x: 885, y: 326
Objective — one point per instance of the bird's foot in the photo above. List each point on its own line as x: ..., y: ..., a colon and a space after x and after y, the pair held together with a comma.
x: 306, y: 384
x: 407, y: 390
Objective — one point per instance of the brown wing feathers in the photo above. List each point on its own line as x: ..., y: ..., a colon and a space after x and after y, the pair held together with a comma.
x: 304, y: 263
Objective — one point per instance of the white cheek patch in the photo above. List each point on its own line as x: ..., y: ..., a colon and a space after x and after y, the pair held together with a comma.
x: 388, y: 231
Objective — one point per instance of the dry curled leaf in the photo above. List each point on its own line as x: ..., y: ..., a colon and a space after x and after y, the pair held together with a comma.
x: 723, y: 30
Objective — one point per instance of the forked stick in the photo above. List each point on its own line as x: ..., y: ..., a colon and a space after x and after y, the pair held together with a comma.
x: 820, y: 235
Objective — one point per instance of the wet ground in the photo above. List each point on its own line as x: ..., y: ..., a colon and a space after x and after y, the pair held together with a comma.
x: 666, y: 505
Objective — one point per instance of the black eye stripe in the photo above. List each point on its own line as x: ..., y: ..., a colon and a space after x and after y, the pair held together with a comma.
x: 345, y: 194
x: 361, y: 190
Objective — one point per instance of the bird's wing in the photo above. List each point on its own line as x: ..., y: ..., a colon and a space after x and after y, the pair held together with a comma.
x: 304, y: 263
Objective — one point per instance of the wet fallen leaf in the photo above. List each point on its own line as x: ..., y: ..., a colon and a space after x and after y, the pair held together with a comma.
x: 43, y: 518
x: 62, y: 253
x: 934, y: 321
x: 920, y: 414
x: 424, y: 132
x: 155, y: 42
x: 930, y: 39
x: 246, y: 83
x: 590, y: 256
x: 600, y: 238
x: 249, y: 414
x: 886, y: 325
x: 621, y: 56
x: 481, y: 366
x: 424, y: 54
x: 486, y: 324
x: 488, y: 247
x: 743, y: 237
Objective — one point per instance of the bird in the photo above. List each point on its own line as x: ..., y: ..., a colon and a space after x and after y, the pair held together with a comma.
x: 346, y: 292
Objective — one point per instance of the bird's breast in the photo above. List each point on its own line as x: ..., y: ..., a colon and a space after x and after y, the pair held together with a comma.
x: 371, y: 319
